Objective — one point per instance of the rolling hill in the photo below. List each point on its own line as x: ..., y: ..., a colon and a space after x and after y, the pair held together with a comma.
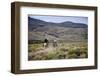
x: 68, y: 31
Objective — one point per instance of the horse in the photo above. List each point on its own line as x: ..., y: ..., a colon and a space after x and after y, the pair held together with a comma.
x: 55, y: 43
x: 46, y: 42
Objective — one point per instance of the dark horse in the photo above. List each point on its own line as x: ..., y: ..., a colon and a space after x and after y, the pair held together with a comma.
x: 46, y: 43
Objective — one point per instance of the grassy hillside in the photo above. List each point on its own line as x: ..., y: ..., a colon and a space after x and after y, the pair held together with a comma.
x: 64, y: 50
x: 71, y: 40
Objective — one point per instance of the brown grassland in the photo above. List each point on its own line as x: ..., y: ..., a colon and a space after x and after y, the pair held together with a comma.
x: 63, y: 50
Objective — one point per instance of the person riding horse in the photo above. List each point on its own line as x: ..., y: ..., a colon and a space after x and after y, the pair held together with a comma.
x: 46, y: 43
x: 55, y: 43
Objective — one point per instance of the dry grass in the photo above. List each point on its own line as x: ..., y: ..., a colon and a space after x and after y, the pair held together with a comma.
x: 64, y: 50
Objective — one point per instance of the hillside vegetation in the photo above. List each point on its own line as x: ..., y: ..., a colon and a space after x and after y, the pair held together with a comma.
x: 71, y: 40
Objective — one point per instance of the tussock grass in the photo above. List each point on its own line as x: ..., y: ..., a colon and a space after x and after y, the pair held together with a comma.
x: 64, y: 50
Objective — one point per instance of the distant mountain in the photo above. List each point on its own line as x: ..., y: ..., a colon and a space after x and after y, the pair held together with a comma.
x: 34, y: 23
x: 68, y: 30
x: 73, y: 25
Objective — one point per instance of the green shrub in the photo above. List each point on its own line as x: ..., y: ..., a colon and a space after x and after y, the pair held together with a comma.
x: 35, y: 47
x: 63, y: 49
x: 71, y: 56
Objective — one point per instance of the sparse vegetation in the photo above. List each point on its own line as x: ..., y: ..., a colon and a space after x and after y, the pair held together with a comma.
x: 71, y: 38
x: 65, y: 50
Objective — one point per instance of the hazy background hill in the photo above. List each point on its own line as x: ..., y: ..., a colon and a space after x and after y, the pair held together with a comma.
x: 68, y: 31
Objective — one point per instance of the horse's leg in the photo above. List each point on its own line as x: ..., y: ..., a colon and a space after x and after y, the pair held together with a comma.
x: 43, y: 44
x: 46, y: 44
x: 56, y: 45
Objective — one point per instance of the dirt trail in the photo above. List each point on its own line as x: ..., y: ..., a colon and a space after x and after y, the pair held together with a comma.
x: 48, y: 49
x: 44, y: 50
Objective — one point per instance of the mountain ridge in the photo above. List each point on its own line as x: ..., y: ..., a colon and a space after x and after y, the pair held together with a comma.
x: 34, y: 21
x: 70, y: 31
